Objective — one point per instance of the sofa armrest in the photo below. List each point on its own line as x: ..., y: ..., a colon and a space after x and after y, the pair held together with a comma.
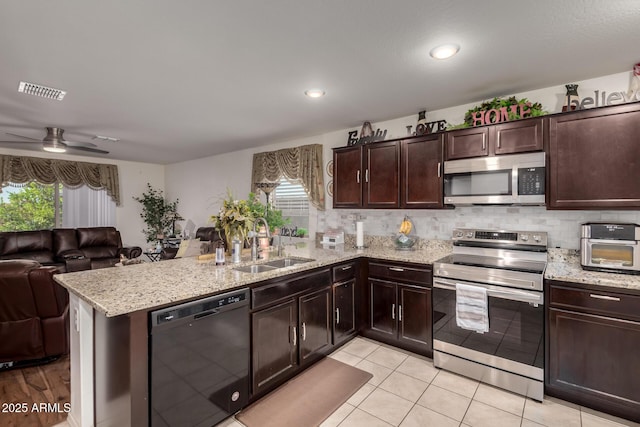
x: 168, y: 253
x: 50, y: 298
x: 78, y: 264
x: 130, y: 252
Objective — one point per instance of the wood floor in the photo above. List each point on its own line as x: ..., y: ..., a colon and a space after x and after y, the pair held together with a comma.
x: 46, y: 386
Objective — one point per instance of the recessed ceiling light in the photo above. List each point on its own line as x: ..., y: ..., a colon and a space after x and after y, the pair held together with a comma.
x: 314, y: 93
x: 445, y: 51
x: 42, y: 91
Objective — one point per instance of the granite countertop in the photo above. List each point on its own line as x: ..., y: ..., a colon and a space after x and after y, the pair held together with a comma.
x: 122, y: 290
x: 564, y: 266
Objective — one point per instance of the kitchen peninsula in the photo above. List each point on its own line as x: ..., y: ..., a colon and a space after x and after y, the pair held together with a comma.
x: 110, y: 380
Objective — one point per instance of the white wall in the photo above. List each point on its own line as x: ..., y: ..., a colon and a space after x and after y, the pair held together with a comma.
x: 201, y: 184
x: 133, y: 182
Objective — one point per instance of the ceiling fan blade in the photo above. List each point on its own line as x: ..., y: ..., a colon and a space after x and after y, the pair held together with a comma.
x: 22, y: 145
x: 89, y: 149
x: 21, y: 136
x: 79, y: 144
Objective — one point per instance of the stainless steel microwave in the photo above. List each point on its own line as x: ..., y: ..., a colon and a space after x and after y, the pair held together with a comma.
x: 515, y: 179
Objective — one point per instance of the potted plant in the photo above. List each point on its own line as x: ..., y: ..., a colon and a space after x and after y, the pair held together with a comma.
x: 235, y: 218
x: 157, y: 213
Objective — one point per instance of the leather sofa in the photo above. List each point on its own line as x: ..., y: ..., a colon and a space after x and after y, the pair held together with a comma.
x: 205, y: 234
x: 67, y: 249
x: 34, y: 314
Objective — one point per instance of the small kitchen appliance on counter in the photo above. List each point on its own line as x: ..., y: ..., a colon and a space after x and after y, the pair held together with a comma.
x: 610, y: 247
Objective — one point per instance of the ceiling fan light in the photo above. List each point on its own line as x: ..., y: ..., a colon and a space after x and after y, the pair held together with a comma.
x: 54, y: 147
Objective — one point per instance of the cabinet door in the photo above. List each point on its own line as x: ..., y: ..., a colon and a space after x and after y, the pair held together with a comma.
x: 315, y: 323
x: 344, y: 314
x: 464, y: 143
x: 347, y: 177
x: 383, y: 307
x: 422, y: 172
x: 594, y: 360
x: 274, y: 340
x: 414, y: 317
x: 520, y: 136
x: 382, y: 175
x: 594, y: 158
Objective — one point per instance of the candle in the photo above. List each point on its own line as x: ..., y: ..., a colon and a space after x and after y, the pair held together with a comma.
x: 359, y: 234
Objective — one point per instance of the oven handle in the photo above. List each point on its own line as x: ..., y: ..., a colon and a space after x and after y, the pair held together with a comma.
x: 493, y: 291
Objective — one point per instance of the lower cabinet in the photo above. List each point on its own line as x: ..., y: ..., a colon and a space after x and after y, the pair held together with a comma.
x: 291, y: 327
x: 344, y: 302
x: 593, y: 349
x: 400, y: 313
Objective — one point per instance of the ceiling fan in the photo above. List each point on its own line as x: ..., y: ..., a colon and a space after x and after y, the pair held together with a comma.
x: 53, y: 143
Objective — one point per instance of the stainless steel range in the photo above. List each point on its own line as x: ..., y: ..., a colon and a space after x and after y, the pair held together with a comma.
x: 488, y: 314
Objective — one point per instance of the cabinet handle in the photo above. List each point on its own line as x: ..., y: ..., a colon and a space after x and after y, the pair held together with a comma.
x: 393, y: 311
x: 337, y: 316
x: 499, y: 143
x: 304, y: 332
x: 366, y: 175
x: 396, y: 269
x: 605, y: 297
x: 484, y: 143
x: 439, y: 165
x: 358, y: 176
x: 400, y: 313
x: 295, y: 336
x: 348, y: 267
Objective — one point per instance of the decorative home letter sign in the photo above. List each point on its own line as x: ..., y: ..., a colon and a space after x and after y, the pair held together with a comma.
x: 499, y: 115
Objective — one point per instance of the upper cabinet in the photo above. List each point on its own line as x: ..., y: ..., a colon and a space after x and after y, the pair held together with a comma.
x: 367, y: 176
x: 421, y: 170
x: 594, y: 158
x: 519, y: 136
x: 390, y: 174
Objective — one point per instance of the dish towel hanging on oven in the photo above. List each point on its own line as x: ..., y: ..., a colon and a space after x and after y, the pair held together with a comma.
x: 472, y: 308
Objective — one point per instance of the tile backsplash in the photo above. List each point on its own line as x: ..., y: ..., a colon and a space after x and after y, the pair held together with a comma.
x: 563, y: 227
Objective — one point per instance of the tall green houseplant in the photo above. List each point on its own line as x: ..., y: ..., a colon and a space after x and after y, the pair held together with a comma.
x: 157, y: 213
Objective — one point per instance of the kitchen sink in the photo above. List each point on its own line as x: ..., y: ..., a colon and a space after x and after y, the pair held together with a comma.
x: 255, y: 268
x: 272, y: 265
x: 288, y: 262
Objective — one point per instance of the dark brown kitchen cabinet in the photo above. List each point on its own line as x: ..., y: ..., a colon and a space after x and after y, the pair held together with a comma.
x: 519, y: 136
x: 347, y: 177
x: 274, y: 344
x: 421, y: 169
x: 400, y: 306
x: 315, y: 324
x: 344, y: 302
x: 291, y: 327
x: 367, y: 176
x: 593, y: 347
x: 594, y: 158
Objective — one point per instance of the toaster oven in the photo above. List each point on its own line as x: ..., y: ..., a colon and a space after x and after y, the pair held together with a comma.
x: 612, y: 247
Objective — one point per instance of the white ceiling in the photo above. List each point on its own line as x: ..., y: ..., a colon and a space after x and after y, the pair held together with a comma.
x: 179, y: 80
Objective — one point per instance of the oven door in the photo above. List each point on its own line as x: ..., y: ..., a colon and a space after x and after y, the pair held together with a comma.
x: 515, y: 340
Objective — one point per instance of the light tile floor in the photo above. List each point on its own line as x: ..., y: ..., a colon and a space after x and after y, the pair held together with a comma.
x: 407, y: 391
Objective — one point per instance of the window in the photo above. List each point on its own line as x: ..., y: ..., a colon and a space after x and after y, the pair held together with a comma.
x: 37, y: 206
x: 293, y: 201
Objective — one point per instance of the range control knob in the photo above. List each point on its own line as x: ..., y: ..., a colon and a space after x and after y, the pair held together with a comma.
x: 524, y: 237
x: 459, y: 233
x: 469, y: 234
x: 537, y: 238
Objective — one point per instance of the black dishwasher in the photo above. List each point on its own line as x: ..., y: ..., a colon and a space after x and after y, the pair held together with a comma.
x: 199, y: 361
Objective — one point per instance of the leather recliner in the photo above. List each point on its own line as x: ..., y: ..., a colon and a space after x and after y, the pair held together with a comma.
x: 34, y: 313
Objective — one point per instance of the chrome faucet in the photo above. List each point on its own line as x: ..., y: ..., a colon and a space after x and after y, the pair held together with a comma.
x: 254, y: 234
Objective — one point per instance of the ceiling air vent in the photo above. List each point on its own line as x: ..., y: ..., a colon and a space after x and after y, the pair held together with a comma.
x: 42, y: 91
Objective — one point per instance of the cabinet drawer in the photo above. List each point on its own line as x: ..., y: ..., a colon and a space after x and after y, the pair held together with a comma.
x: 344, y: 272
x: 595, y: 301
x: 267, y: 294
x: 399, y: 273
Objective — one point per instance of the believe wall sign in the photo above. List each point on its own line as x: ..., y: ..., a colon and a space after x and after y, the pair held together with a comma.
x: 602, y: 99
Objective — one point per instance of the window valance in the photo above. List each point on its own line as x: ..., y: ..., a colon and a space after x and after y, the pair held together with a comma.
x: 300, y: 164
x: 22, y: 169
